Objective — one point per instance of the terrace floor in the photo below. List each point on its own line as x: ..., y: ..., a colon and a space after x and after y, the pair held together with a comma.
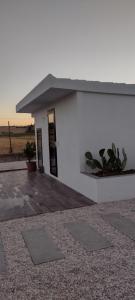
x: 81, y: 272
x: 24, y: 195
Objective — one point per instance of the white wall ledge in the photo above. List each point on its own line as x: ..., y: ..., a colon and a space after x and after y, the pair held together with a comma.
x: 109, y: 188
x: 102, y: 177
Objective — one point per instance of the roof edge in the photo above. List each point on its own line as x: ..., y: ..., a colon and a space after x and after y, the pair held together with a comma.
x: 51, y: 81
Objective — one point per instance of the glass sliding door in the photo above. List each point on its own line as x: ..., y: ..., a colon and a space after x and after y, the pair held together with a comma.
x: 52, y: 142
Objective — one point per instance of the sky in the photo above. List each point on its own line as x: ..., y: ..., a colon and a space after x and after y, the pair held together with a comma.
x: 83, y: 39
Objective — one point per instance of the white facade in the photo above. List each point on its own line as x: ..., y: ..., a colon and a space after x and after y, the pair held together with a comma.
x: 67, y: 139
x: 90, y: 121
x: 105, y: 119
x: 87, y: 120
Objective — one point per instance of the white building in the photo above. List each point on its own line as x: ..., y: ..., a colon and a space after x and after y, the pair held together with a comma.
x: 74, y: 116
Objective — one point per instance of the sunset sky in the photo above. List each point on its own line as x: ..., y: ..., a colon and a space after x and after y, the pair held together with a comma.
x: 84, y: 39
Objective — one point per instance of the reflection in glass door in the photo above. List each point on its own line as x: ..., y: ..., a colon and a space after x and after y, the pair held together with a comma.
x: 52, y: 142
x: 40, y: 150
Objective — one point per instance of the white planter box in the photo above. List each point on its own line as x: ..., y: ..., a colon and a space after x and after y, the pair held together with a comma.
x: 111, y: 188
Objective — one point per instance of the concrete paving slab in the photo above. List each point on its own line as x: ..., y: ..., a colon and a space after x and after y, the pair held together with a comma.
x: 16, y: 212
x: 3, y: 264
x: 88, y: 236
x: 122, y: 224
x: 41, y: 247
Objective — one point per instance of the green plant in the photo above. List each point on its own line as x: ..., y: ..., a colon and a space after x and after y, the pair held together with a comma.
x: 108, y: 163
x: 30, y: 151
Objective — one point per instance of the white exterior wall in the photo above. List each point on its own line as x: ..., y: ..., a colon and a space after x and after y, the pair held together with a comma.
x: 68, y: 141
x: 105, y: 119
x: 88, y: 121
x: 66, y: 113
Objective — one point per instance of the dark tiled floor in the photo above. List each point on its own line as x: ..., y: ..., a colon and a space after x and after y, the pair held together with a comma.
x: 23, y: 195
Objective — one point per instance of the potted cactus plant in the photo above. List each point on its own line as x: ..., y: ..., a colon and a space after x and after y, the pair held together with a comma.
x: 30, y: 152
x: 110, y: 162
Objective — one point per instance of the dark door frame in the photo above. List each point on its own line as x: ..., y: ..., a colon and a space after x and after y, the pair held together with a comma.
x: 40, y: 159
x: 52, y: 145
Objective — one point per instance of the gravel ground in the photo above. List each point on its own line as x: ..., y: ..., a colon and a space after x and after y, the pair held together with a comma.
x: 105, y: 274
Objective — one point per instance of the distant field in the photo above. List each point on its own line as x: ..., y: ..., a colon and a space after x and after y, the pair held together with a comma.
x: 18, y: 143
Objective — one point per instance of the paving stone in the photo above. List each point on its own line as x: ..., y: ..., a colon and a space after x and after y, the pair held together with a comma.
x: 88, y: 236
x: 122, y: 224
x: 41, y: 246
x: 16, y: 212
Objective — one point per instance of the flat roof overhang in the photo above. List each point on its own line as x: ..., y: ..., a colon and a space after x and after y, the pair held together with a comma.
x: 50, y: 96
x: 50, y: 89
